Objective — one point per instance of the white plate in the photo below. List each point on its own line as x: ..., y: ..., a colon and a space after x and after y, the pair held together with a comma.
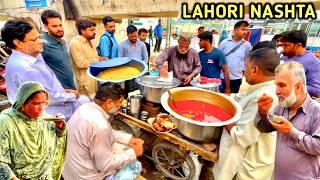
x: 52, y: 119
x: 58, y: 117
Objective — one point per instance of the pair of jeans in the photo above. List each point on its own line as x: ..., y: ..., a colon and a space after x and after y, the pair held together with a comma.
x: 158, y: 44
x: 150, y: 41
x: 234, y: 85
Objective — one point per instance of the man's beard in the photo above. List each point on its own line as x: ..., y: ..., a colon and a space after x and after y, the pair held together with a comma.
x: 92, y: 37
x: 112, y: 32
x: 288, y: 101
x: 143, y: 40
x: 181, y: 55
x: 133, y: 41
x: 56, y: 35
x: 113, y: 110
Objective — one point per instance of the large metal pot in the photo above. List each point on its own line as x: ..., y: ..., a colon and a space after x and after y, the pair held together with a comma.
x: 152, y: 89
x: 201, y: 131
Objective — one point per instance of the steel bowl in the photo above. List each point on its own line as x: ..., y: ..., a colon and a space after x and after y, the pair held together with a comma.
x: 201, y: 131
x: 211, y: 87
x: 152, y: 89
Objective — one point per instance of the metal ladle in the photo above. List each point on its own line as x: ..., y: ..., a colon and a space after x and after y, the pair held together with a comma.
x: 171, y: 98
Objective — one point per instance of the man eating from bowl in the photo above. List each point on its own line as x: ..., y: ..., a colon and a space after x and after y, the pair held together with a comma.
x: 182, y: 60
x: 298, y: 137
x: 93, y: 146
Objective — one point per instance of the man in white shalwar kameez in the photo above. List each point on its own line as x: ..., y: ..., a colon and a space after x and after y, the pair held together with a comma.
x: 244, y: 152
x: 91, y: 139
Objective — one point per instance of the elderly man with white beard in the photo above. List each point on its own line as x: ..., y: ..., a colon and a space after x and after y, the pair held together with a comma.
x: 182, y: 60
x: 298, y: 138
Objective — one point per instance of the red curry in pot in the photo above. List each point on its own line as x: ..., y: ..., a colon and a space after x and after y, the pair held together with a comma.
x: 200, y: 111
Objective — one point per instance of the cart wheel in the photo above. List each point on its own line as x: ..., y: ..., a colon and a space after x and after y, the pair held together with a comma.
x: 118, y: 124
x: 173, y: 162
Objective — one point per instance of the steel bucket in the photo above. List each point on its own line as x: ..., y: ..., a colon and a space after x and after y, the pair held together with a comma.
x: 152, y: 89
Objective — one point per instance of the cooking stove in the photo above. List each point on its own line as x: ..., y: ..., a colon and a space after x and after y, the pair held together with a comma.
x: 153, y: 109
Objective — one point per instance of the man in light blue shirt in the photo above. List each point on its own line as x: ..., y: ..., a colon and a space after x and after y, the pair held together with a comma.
x: 235, y: 58
x: 108, y: 45
x: 26, y: 64
x: 133, y: 48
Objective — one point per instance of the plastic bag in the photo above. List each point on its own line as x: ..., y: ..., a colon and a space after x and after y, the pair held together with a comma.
x: 129, y: 172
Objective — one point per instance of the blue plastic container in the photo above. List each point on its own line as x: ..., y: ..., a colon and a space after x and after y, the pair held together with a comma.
x: 313, y: 48
x: 154, y: 73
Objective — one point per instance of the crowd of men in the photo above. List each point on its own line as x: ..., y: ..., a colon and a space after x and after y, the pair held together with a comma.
x: 51, y: 76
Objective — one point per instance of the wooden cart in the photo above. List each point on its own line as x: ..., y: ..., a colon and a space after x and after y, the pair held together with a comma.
x: 170, y: 151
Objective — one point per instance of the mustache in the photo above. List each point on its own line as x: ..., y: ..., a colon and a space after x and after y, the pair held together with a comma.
x: 281, y: 96
x: 182, y: 52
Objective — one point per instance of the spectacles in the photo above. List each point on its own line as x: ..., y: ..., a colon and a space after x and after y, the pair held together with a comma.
x: 40, y: 37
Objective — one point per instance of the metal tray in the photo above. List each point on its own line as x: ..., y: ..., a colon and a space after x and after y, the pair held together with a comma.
x: 152, y: 81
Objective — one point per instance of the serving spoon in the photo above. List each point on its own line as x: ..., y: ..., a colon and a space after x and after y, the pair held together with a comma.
x: 171, y: 98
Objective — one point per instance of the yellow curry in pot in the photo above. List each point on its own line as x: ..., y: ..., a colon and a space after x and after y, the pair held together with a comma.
x: 120, y: 72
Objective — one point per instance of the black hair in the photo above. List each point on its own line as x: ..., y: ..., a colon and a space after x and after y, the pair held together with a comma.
x: 131, y: 29
x: 241, y: 23
x: 201, y: 27
x: 30, y: 21
x: 109, y: 91
x: 267, y: 59
x: 15, y: 29
x: 142, y: 30
x: 107, y: 19
x: 83, y: 24
x: 46, y: 14
x: 264, y: 44
x: 206, y: 36
x: 295, y: 37
x: 276, y: 37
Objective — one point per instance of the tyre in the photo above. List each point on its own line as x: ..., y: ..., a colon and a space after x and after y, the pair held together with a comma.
x: 173, y: 162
